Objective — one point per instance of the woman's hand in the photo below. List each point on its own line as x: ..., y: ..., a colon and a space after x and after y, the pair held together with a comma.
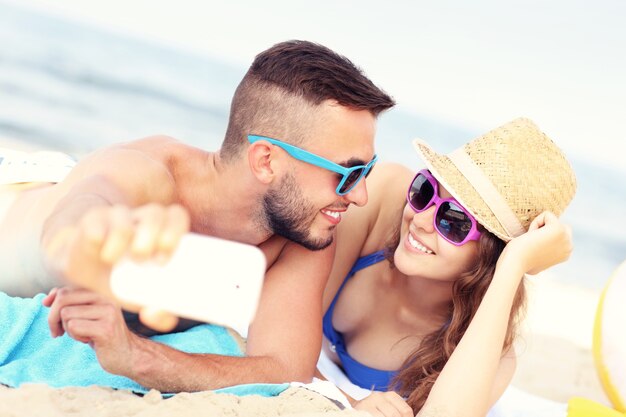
x: 384, y: 404
x: 547, y: 243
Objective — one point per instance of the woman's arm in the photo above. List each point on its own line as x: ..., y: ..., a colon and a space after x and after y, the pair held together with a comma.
x: 467, y: 382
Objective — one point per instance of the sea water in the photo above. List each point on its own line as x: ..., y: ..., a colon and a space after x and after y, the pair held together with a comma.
x: 69, y: 86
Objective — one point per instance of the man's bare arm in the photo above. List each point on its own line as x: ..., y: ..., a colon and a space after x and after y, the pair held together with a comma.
x: 93, y: 220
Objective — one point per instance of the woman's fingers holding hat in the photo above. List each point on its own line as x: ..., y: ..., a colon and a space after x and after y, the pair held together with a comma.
x: 544, y: 218
x: 548, y: 242
x: 557, y: 230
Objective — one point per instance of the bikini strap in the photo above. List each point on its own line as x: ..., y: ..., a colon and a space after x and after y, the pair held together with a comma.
x: 361, y: 263
x: 366, y: 261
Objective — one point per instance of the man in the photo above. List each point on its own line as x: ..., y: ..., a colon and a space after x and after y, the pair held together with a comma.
x: 140, y: 197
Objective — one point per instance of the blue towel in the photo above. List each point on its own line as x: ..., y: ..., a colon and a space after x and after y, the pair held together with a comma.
x: 28, y: 354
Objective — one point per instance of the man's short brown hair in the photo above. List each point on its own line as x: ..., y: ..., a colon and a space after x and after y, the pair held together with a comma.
x: 283, y: 86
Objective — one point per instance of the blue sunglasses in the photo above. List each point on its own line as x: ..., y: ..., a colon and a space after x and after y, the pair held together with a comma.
x: 350, y: 176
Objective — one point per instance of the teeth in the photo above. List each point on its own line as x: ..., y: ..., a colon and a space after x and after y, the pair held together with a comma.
x: 414, y: 243
x: 334, y: 214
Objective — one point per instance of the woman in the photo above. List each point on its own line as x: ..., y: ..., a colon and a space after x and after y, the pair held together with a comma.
x: 424, y: 309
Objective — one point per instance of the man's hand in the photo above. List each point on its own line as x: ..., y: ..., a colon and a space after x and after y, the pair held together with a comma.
x: 547, y: 243
x: 384, y: 404
x: 105, y: 234
x: 91, y: 318
x: 84, y: 253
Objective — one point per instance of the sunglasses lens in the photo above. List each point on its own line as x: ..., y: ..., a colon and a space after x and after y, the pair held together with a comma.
x: 452, y: 222
x: 422, y: 192
x: 351, y: 180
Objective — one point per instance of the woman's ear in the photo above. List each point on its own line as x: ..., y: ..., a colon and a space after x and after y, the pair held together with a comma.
x: 261, y: 160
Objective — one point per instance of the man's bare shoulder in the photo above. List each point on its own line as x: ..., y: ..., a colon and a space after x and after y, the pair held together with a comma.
x: 145, y: 167
x: 159, y: 147
x: 156, y: 142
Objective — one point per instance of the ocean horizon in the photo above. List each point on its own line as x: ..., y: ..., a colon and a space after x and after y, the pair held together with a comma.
x: 73, y: 87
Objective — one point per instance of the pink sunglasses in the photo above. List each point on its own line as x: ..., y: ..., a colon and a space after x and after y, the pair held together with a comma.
x: 451, y: 220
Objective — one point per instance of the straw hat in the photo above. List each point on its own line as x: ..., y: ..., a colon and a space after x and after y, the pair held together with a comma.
x: 506, y: 177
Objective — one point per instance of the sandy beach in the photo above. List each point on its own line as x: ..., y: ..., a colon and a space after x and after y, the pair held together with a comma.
x: 554, y: 350
x: 39, y: 400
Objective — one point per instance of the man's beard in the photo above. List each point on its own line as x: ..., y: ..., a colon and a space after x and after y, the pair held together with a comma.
x: 288, y: 214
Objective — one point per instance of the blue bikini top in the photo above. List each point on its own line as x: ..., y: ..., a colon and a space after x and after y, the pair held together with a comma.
x: 359, y: 374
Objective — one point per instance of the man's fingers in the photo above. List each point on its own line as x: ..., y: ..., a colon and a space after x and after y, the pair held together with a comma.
x: 101, y: 317
x: 69, y: 296
x: 66, y: 297
x: 93, y: 230
x: 157, y: 319
x: 54, y: 323
x: 149, y: 221
x: 87, y: 312
x: 85, y: 253
x: 176, y: 224
x: 119, y: 235
x: 158, y: 230
x: 49, y: 299
x: 83, y: 330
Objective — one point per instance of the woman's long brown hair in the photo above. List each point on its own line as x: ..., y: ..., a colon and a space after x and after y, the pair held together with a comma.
x: 417, y: 375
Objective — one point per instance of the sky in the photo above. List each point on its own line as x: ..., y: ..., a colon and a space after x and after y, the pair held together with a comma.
x: 475, y: 63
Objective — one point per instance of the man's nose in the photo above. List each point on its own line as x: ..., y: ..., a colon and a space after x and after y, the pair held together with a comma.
x: 358, y: 194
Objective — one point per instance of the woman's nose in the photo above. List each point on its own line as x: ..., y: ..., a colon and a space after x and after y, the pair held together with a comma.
x: 424, y: 219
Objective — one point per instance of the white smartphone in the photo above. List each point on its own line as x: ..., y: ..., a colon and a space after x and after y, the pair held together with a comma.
x: 207, y: 279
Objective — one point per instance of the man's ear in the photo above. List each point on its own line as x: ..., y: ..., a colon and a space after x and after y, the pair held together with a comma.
x: 261, y: 161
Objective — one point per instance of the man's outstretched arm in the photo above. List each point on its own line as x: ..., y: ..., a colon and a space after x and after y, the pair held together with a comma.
x: 101, y: 212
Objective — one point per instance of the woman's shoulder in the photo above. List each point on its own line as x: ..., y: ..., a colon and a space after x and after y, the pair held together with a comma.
x: 387, y: 196
x: 387, y: 179
x: 391, y: 172
x: 387, y: 186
